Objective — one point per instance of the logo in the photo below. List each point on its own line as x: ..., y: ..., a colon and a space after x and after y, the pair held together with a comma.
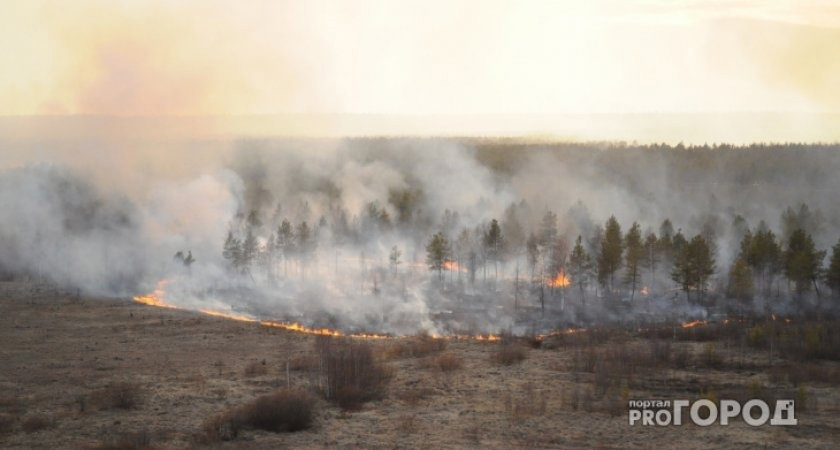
x: 704, y: 412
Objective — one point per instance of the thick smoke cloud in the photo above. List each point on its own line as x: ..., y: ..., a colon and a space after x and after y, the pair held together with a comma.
x: 362, y: 198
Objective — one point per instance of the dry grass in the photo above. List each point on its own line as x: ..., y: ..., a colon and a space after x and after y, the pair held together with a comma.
x: 140, y: 440
x: 415, y: 347
x: 508, y: 354
x: 449, y: 362
x: 255, y: 369
x: 413, y: 397
x: 525, y: 404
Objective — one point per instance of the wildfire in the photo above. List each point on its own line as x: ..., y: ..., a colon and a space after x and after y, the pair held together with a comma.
x: 453, y: 266
x: 644, y: 290
x: 156, y: 297
x: 561, y: 280
x: 693, y: 323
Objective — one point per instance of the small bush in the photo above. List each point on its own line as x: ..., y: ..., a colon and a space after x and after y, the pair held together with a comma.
x: 121, y: 395
x: 509, y: 354
x: 285, y: 410
x: 448, y: 362
x: 35, y: 423
x: 256, y: 368
x: 351, y: 374
x: 282, y: 411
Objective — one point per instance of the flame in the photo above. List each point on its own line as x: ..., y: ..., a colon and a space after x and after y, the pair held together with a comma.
x: 453, y: 266
x: 561, y: 280
x: 644, y: 290
x: 156, y: 297
x: 773, y: 316
x: 693, y: 323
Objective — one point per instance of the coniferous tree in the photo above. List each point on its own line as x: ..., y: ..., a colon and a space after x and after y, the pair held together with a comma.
x: 493, y: 243
x: 802, y: 262
x: 438, y: 253
x: 609, y: 260
x: 832, y: 275
x: 634, y: 252
x: 580, y: 268
x: 651, y: 258
x: 741, y: 280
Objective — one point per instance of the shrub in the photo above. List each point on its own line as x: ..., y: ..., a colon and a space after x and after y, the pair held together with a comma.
x: 35, y: 423
x: 120, y: 395
x: 282, y: 411
x: 448, y: 362
x: 256, y: 368
x: 508, y: 354
x: 351, y: 374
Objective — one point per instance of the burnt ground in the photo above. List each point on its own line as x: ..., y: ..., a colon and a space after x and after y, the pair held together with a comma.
x: 59, y: 353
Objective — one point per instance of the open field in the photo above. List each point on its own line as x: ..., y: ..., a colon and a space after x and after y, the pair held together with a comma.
x: 111, y: 373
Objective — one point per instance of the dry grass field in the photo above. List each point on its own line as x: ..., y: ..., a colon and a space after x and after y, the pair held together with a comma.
x: 112, y: 373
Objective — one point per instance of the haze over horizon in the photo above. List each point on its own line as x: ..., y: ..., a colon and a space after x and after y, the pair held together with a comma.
x: 634, y: 70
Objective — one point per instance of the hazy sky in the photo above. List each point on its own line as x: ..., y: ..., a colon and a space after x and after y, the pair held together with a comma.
x: 418, y: 57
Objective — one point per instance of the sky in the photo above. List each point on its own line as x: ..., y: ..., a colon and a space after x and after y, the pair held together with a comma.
x: 428, y: 57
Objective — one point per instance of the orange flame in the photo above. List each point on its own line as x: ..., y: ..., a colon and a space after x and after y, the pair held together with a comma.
x: 693, y: 323
x: 156, y: 297
x: 561, y: 280
x: 644, y: 290
x: 453, y: 266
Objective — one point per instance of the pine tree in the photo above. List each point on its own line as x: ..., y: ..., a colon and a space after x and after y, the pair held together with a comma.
x: 438, y: 253
x: 740, y: 280
x: 394, y: 259
x: 634, y: 252
x: 803, y: 263
x: 651, y: 258
x: 832, y: 275
x: 493, y: 243
x: 609, y: 260
x: 580, y: 268
x: 232, y: 251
